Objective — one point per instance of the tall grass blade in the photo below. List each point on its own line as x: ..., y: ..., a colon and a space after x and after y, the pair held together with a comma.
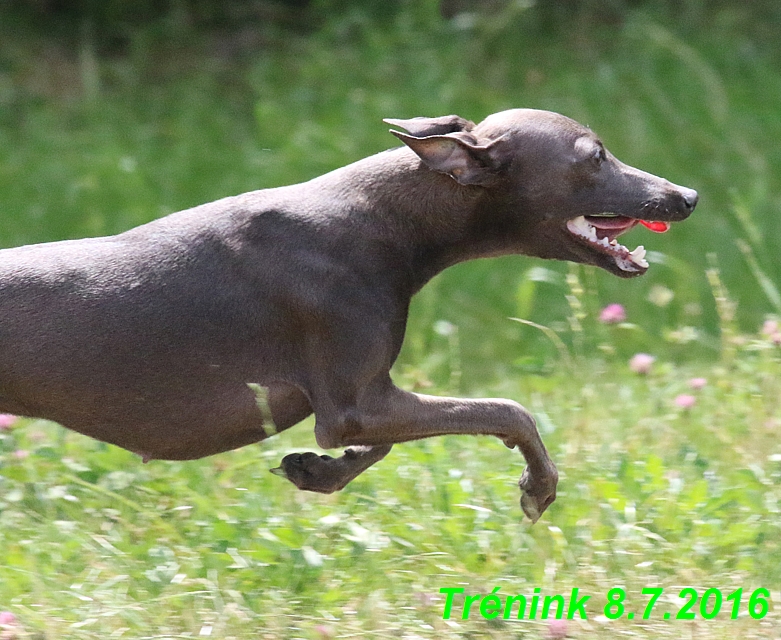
x: 764, y: 281
x: 725, y: 309
x: 554, y: 338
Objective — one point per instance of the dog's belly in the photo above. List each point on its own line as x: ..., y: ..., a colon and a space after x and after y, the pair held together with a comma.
x: 178, y: 426
x: 174, y: 439
x: 185, y: 422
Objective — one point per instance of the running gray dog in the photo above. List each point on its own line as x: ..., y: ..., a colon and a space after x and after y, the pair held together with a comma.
x: 218, y: 326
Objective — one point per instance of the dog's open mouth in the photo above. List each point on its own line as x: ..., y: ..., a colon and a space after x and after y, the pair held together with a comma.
x: 600, y: 232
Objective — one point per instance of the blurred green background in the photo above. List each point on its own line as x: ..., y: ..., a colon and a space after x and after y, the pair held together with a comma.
x: 114, y: 113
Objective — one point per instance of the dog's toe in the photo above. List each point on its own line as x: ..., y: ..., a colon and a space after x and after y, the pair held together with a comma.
x: 537, y: 494
x: 530, y: 508
x: 309, y: 471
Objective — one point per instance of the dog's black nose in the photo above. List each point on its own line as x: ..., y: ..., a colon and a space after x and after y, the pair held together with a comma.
x: 690, y: 199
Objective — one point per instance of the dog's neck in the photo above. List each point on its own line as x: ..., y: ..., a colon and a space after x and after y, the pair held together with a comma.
x: 395, y: 198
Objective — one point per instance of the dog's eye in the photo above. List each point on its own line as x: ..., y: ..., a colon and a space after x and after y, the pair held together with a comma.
x: 599, y: 155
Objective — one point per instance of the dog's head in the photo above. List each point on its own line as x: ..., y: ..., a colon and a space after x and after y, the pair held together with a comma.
x: 551, y: 184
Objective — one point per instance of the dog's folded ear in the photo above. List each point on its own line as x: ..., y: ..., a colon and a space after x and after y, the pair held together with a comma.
x: 421, y: 127
x: 459, y: 154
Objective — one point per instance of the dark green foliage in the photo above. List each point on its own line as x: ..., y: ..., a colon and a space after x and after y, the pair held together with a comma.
x: 115, y: 113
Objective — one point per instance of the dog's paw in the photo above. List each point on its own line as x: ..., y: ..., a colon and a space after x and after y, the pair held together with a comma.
x: 537, y: 492
x: 310, y: 472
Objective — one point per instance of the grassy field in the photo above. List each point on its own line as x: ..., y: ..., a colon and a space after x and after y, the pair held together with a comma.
x: 656, y: 491
x: 662, y: 484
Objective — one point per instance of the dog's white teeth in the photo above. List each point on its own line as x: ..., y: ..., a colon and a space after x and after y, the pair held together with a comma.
x: 638, y: 257
x: 638, y: 253
x: 632, y: 261
x: 581, y: 227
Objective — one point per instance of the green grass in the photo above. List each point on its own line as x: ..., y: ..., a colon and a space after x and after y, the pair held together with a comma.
x: 94, y: 544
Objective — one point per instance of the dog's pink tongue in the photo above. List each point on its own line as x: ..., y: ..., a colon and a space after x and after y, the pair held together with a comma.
x: 657, y: 227
x: 621, y: 223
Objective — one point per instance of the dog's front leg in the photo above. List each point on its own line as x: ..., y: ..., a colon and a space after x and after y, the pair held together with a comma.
x: 388, y: 415
x: 410, y: 416
x: 324, y: 474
